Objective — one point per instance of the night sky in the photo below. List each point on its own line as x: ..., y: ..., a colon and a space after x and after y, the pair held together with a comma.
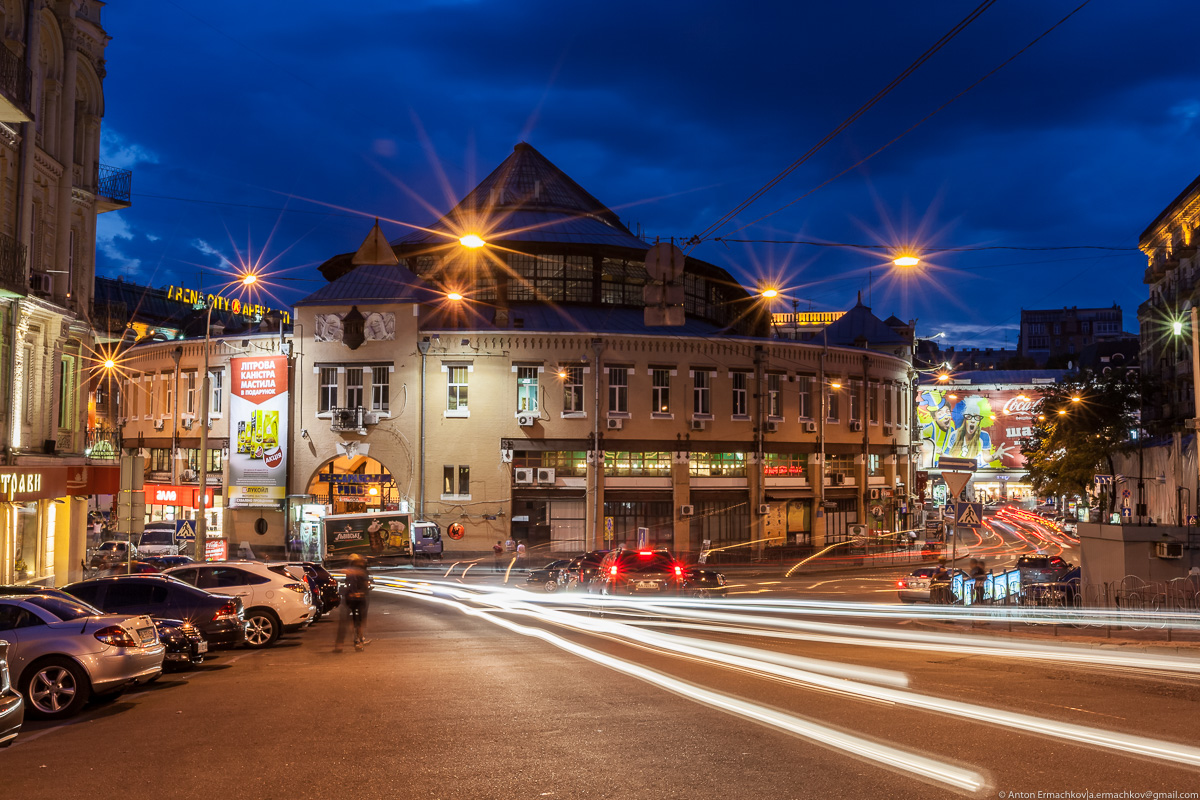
x: 278, y: 132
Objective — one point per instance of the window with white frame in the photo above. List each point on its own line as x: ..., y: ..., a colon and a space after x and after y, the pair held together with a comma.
x: 775, y: 395
x: 527, y: 389
x: 806, y: 383
x: 149, y: 396
x: 216, y: 381
x: 618, y: 390
x: 456, y: 387
x: 701, y: 393
x: 354, y: 387
x: 572, y: 390
x: 189, y: 403
x: 168, y: 408
x: 887, y: 404
x: 660, y: 391
x: 456, y: 480
x: 327, y: 400
x: 740, y: 382
x: 855, y: 400
x: 381, y: 388
x: 66, y: 393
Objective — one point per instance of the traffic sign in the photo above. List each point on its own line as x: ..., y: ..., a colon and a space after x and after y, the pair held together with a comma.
x: 954, y: 464
x: 969, y: 514
x: 1126, y: 511
x: 956, y: 481
x: 185, y: 530
x: 608, y: 528
x: 1104, y: 480
x: 1192, y: 520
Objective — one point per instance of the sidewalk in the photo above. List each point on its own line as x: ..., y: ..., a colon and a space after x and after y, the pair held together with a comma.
x: 1148, y: 641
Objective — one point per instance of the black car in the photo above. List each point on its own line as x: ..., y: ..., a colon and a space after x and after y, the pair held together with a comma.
x: 166, y: 562
x: 322, y: 584
x: 220, y: 619
x: 548, y: 577
x: 1042, y: 568
x: 700, y: 582
x: 184, y: 644
x: 639, y: 572
x: 583, y: 569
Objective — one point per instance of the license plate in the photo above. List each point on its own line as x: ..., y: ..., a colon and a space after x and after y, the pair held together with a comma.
x: 147, y: 634
x: 202, y: 647
x: 647, y: 584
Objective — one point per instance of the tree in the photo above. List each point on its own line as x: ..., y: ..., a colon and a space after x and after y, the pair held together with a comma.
x: 1080, y: 425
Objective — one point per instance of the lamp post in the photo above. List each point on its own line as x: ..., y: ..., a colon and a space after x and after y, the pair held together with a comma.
x: 200, y: 546
x: 1196, y: 390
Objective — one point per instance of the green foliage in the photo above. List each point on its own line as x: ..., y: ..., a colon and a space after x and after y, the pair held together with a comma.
x: 1067, y: 450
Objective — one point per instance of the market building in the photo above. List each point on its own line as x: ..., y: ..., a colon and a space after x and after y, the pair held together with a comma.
x: 508, y: 369
x: 52, y: 187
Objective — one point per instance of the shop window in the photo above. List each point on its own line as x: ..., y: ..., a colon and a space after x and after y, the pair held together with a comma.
x: 380, y: 388
x: 527, y: 389
x: 328, y: 398
x: 160, y: 459
x: 456, y: 388
x: 573, y: 390
x: 701, y: 393
x: 618, y: 390
x: 840, y: 465
x: 656, y: 516
x: 660, y: 400
x: 718, y: 465
x: 785, y: 465
x: 565, y: 463
x: 740, y: 382
x: 637, y: 465
x: 874, y: 466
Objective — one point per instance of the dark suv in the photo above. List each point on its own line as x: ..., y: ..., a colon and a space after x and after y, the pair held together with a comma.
x: 1041, y: 568
x: 582, y: 570
x: 640, y: 572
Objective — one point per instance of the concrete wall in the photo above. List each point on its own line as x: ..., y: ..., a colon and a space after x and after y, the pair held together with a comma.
x: 1108, y: 553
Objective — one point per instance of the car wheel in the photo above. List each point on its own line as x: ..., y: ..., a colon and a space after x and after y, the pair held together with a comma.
x: 55, y: 688
x: 701, y: 593
x: 262, y: 628
x: 551, y: 585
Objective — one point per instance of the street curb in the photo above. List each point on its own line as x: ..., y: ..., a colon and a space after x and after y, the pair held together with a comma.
x: 1066, y: 637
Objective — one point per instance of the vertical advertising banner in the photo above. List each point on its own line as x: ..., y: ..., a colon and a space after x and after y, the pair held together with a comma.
x: 258, y: 421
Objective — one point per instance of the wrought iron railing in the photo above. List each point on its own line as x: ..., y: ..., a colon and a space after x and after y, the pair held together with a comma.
x: 12, y: 263
x: 103, y: 443
x: 114, y: 183
x: 14, y: 78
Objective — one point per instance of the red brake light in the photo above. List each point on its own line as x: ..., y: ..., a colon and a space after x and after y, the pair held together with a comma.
x: 298, y: 588
x: 678, y: 571
x: 902, y: 584
x: 645, y: 553
x: 613, y: 570
x: 227, y: 611
x: 116, y: 636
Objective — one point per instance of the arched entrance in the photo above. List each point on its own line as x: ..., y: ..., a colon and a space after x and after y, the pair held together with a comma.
x: 342, y: 485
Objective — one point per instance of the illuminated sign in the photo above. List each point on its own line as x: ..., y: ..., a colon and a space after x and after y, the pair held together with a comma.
x: 788, y: 470
x: 29, y: 483
x: 258, y: 409
x: 191, y: 297
x: 159, y: 494
x: 16, y: 483
x: 216, y: 550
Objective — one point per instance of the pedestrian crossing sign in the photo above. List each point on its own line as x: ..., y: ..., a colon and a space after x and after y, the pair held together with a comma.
x: 184, y: 530
x: 969, y: 514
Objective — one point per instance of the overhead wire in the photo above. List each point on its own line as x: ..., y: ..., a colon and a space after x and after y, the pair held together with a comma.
x: 886, y: 90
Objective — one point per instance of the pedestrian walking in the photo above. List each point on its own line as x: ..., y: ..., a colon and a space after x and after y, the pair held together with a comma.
x: 939, y: 584
x: 520, y: 555
x: 510, y: 546
x: 355, y: 599
x: 498, y: 549
x: 979, y: 577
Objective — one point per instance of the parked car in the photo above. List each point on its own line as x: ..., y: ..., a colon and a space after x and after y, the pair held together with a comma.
x: 184, y: 643
x: 1070, y: 525
x: 218, y: 618
x: 639, y: 572
x: 700, y: 582
x: 274, y: 603
x: 158, y: 539
x: 548, y: 577
x: 12, y: 705
x: 63, y: 652
x: 915, y: 587
x: 326, y: 596
x: 582, y: 569
x: 1041, y: 568
x: 166, y: 562
x: 294, y: 569
x: 112, y: 552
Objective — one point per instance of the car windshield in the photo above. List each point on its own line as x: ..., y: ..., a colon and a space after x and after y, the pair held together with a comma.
x: 111, y: 545
x: 158, y: 537
x: 62, y: 608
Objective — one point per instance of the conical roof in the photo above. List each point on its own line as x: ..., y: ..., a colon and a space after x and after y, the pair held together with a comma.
x: 528, y: 199
x: 375, y: 249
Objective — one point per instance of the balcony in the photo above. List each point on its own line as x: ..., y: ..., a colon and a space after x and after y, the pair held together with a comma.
x: 103, y: 444
x: 12, y: 267
x: 113, y: 188
x: 14, y: 88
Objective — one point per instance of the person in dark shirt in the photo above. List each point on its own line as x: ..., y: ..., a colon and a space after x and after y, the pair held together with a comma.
x: 355, y: 593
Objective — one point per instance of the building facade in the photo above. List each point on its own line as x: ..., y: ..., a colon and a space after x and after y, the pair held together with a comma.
x: 1062, y: 334
x: 517, y: 389
x: 52, y: 187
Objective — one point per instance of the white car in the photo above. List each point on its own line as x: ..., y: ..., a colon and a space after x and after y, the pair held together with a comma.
x: 276, y: 600
x: 158, y: 539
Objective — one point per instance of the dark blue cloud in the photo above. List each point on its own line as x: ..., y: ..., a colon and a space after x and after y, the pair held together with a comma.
x: 229, y: 111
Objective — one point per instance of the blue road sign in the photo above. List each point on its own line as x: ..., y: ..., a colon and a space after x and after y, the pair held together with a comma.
x: 1126, y: 511
x: 969, y: 514
x: 185, y: 530
x: 1193, y: 520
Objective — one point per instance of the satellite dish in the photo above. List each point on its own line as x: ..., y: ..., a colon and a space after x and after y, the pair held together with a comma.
x: 664, y: 262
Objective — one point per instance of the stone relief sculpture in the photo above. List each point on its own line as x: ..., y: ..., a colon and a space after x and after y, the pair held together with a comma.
x: 379, y: 327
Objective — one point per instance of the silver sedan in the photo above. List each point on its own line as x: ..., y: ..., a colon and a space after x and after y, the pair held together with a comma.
x: 61, y: 652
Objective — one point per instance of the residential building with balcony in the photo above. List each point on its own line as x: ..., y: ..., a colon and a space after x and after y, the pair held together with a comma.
x: 52, y: 187
x: 542, y: 405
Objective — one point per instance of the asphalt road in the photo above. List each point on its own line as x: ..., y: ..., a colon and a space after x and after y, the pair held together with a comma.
x: 443, y: 704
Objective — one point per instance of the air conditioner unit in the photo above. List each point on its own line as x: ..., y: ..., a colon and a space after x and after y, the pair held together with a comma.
x: 699, y: 424
x: 1168, y: 550
x: 523, y: 476
x: 888, y: 430
x: 187, y: 423
x: 873, y: 494
x: 190, y: 475
x: 856, y: 426
x: 772, y: 427
x: 545, y: 475
x: 41, y: 283
x: 526, y: 420
x: 764, y: 509
x: 687, y: 511
x: 810, y: 427
x: 616, y: 424
x: 159, y: 424
x: 839, y: 479
x: 370, y: 419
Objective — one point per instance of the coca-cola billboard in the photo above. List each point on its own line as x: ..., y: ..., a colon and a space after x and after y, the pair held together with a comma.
x: 987, y: 425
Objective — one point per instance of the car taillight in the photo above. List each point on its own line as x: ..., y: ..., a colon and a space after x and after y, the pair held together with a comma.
x: 678, y: 571
x: 902, y: 584
x: 613, y: 570
x: 227, y: 611
x: 298, y: 588
x: 645, y: 553
x: 116, y: 636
